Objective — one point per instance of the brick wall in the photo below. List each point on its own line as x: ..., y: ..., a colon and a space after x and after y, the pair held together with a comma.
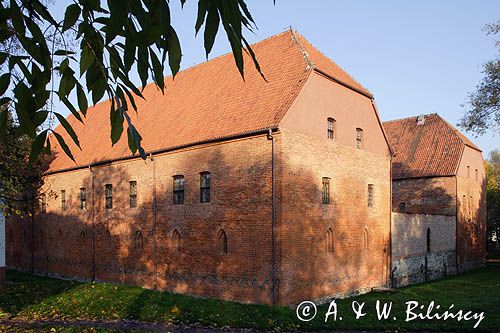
x: 435, y: 195
x: 412, y: 261
x: 135, y: 245
x: 307, y: 269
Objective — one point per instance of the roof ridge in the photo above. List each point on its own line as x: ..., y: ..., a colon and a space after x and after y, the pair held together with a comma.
x: 399, y: 119
x: 459, y: 135
x: 307, y: 59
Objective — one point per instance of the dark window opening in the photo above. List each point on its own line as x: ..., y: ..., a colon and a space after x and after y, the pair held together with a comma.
x: 329, y: 240
x: 63, y: 200
x: 83, y: 198
x: 428, y: 239
x: 176, y: 240
x: 402, y: 206
x: 139, y: 241
x: 359, y: 138
x: 205, y: 187
x: 82, y: 239
x: 178, y: 190
x: 133, y: 194
x: 109, y: 196
x: 365, y: 239
x: 370, y: 195
x: 223, y: 242
x: 331, y: 128
x: 43, y: 200
x: 326, y: 190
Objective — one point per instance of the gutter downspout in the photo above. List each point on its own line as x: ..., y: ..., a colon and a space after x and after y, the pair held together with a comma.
x: 93, y: 225
x: 155, y: 245
x: 275, y: 287
x: 390, y: 277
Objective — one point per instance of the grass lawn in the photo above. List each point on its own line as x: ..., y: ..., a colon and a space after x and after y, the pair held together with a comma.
x: 39, y: 298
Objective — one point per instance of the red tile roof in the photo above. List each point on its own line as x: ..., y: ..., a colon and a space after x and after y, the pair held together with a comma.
x: 432, y: 149
x: 207, y: 101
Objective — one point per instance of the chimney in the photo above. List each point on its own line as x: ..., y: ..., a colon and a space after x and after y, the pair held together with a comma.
x: 421, y: 120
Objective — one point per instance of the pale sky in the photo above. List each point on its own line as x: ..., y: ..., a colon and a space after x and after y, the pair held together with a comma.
x: 416, y: 57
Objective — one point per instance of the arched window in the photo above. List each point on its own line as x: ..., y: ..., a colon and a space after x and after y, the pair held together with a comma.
x: 428, y: 239
x: 108, y: 238
x: 365, y: 239
x: 176, y: 240
x: 359, y: 138
x: 329, y: 240
x: 222, y: 241
x: 331, y: 128
x: 139, y: 241
x: 82, y: 239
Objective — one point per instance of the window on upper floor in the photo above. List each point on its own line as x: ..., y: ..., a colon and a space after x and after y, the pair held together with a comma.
x: 359, y: 138
x: 326, y: 190
x: 108, y: 188
x: 331, y: 128
x: 63, y: 199
x: 205, y: 186
x: 178, y: 197
x: 370, y: 195
x: 133, y: 194
x: 83, y: 198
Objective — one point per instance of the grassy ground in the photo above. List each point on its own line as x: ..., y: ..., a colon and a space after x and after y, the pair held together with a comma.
x: 39, y: 298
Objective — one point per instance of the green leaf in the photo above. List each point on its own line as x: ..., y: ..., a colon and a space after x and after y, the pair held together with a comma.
x: 64, y: 146
x: 211, y: 28
x: 63, y: 53
x: 37, y: 146
x: 158, y: 71
x: 68, y: 128
x: 202, y: 13
x: 86, y: 59
x: 71, y: 16
x: 174, y: 52
x: 116, y: 119
x: 4, y: 83
x: 71, y: 108
x: 82, y: 99
x: 142, y: 64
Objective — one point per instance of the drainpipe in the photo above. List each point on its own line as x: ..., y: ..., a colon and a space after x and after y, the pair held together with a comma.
x: 155, y: 245
x: 93, y: 226
x: 275, y: 288
x: 390, y: 275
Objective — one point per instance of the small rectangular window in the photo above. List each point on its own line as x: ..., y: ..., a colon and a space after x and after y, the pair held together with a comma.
x: 326, y: 190
x: 109, y: 196
x: 178, y: 197
x: 370, y: 195
x: 43, y: 200
x: 133, y: 194
x: 359, y: 138
x: 205, y: 187
x: 63, y: 200
x: 83, y: 198
x: 331, y: 128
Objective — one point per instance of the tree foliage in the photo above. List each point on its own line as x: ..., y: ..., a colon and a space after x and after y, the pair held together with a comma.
x: 114, y: 39
x: 20, y: 180
x: 483, y: 105
x: 493, y: 195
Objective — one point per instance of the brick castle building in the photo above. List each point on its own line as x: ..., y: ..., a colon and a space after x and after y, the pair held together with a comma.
x: 438, y: 200
x: 255, y: 191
